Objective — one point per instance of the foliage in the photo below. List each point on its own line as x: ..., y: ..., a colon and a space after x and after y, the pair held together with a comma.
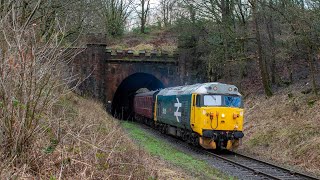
x: 147, y: 29
x: 223, y: 37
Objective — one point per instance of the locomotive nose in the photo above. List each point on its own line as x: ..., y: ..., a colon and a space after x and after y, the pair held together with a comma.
x: 228, y: 119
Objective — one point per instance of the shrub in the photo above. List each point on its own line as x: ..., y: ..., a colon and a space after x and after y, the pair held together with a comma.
x: 31, y: 81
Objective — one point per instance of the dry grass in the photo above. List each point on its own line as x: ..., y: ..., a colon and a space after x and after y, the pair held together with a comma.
x: 146, y: 47
x: 86, y: 143
x: 162, y: 40
x: 170, y: 48
x: 284, y: 128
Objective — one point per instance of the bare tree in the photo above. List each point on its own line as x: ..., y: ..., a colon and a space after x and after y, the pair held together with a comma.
x: 167, y: 11
x: 32, y: 79
x: 142, y: 9
x: 115, y: 15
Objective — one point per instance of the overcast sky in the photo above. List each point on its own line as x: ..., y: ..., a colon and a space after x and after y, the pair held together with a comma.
x: 134, y: 20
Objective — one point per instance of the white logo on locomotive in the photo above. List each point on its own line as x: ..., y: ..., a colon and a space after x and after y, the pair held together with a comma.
x: 164, y: 111
x: 177, y: 114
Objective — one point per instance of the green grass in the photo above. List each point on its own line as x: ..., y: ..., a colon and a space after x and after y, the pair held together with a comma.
x: 165, y: 151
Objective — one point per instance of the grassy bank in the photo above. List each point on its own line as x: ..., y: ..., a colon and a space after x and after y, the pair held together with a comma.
x: 84, y: 142
x: 156, y: 147
x: 284, y: 128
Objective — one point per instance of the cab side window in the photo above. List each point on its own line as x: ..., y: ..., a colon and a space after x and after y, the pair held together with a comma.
x: 159, y: 109
x: 198, y: 100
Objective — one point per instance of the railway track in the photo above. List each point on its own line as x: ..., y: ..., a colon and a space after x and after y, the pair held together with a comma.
x: 238, y: 165
x: 261, y: 168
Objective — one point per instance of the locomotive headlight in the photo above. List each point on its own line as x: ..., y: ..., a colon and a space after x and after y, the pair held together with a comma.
x: 230, y: 88
x: 236, y: 126
x: 235, y: 115
x: 223, y: 116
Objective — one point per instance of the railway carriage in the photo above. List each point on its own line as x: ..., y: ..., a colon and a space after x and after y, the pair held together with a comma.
x: 208, y: 114
x: 144, y: 104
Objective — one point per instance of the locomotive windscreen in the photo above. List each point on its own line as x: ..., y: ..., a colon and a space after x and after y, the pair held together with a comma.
x: 221, y: 100
x: 232, y: 101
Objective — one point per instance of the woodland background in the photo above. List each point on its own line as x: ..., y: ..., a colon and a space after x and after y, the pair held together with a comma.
x: 268, y: 48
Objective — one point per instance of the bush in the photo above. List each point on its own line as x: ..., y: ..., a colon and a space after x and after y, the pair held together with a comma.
x: 32, y: 80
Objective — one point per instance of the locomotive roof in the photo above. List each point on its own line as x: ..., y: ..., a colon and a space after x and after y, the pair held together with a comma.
x: 204, y: 88
x: 150, y: 93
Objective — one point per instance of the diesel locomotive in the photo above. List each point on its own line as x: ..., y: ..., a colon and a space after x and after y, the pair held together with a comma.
x: 208, y: 114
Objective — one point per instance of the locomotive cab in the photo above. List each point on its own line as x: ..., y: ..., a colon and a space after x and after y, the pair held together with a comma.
x: 217, y: 116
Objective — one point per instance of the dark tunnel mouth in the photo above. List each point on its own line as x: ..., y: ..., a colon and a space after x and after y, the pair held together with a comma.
x: 122, y: 102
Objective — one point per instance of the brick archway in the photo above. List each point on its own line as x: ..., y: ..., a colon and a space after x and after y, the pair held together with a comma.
x: 101, y: 71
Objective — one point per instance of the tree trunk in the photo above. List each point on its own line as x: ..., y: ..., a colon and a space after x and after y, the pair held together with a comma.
x: 272, y: 44
x: 142, y: 17
x: 225, y: 19
x: 142, y: 27
x: 312, y: 71
x: 262, y: 63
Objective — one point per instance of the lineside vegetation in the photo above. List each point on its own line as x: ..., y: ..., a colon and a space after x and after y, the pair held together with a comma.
x: 284, y: 128
x: 158, y: 147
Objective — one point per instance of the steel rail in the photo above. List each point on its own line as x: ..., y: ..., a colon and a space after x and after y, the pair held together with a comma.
x: 255, y: 171
x: 290, y: 171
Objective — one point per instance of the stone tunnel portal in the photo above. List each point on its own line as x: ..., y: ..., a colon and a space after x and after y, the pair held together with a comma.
x: 123, y: 98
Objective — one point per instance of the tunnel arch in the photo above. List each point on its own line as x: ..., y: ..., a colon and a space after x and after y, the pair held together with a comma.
x: 123, y: 98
